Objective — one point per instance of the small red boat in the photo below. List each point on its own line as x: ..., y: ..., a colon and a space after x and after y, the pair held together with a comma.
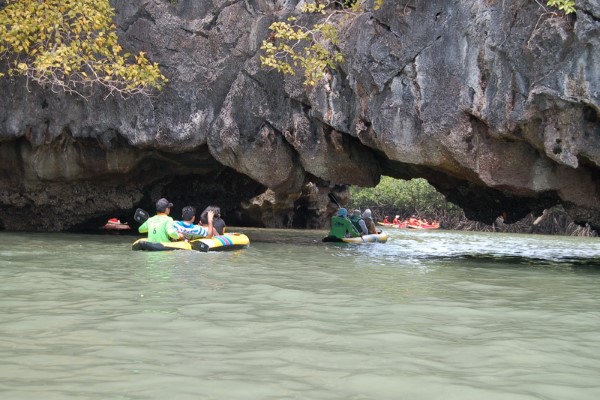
x: 115, y: 224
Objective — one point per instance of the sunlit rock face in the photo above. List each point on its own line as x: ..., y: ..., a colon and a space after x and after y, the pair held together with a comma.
x: 494, y: 103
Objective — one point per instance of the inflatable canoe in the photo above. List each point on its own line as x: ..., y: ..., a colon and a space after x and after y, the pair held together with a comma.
x: 424, y: 226
x: 228, y: 241
x: 380, y: 237
x: 115, y: 224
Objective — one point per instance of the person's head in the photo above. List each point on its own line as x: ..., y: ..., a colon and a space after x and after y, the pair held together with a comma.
x: 367, y: 213
x: 356, y: 213
x: 342, y: 212
x: 163, y: 205
x: 397, y: 216
x: 188, y: 213
x: 204, y: 215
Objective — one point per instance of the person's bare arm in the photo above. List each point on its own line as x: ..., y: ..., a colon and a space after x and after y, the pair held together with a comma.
x: 209, y: 215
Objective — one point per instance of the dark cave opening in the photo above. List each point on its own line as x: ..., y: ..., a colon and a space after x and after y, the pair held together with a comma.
x: 224, y: 188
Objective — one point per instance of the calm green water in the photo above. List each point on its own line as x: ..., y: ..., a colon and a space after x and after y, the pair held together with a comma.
x: 429, y: 315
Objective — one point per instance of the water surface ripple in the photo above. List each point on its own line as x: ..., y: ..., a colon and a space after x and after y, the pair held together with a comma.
x: 429, y: 315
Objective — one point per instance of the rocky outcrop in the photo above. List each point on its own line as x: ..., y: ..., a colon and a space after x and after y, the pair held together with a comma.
x: 494, y: 103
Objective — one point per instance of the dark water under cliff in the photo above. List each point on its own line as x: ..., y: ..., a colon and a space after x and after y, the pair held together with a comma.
x: 429, y: 315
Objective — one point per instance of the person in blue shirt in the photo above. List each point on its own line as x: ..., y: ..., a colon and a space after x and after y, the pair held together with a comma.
x: 191, y: 231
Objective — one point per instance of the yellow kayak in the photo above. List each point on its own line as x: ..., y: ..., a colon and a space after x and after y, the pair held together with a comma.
x: 228, y: 241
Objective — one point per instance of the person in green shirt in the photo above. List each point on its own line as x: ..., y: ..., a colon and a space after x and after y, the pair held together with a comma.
x: 341, y: 226
x: 160, y: 228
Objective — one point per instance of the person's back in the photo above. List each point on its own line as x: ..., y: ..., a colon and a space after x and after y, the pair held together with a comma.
x: 219, y: 225
x: 369, y: 222
x: 358, y: 223
x: 160, y: 227
x: 342, y: 226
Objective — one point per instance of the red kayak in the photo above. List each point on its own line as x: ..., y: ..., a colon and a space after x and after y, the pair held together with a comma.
x: 424, y: 226
x: 115, y: 224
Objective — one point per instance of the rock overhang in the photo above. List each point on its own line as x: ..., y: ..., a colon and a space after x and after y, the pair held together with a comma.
x: 502, y: 124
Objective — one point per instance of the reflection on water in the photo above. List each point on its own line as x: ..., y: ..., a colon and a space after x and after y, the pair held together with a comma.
x: 429, y: 315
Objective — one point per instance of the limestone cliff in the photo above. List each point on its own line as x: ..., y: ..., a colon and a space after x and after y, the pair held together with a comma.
x: 497, y: 104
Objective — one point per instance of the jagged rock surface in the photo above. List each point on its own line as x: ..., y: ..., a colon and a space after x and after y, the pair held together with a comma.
x: 495, y: 103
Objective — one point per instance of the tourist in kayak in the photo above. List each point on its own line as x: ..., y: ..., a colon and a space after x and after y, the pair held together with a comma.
x: 160, y: 227
x: 396, y: 220
x: 218, y: 223
x: 191, y: 231
x: 369, y: 222
x: 414, y: 221
x: 386, y: 220
x: 341, y: 226
x: 358, y: 223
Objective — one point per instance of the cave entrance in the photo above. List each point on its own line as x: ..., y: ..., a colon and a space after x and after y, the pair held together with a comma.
x: 405, y: 198
x: 224, y: 188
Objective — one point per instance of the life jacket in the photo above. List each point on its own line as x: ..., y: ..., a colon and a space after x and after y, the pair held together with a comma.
x: 355, y: 219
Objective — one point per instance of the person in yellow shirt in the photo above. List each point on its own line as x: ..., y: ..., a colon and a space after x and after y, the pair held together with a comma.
x: 160, y: 228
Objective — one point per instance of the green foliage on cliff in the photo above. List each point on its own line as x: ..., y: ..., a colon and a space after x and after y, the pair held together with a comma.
x: 567, y: 6
x: 72, y: 45
x: 292, y: 47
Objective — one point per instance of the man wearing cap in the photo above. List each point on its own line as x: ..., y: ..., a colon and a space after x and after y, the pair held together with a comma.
x: 160, y: 228
x: 341, y: 226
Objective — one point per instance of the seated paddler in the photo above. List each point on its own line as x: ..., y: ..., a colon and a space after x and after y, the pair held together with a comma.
x: 160, y: 227
x: 341, y: 226
x: 189, y: 230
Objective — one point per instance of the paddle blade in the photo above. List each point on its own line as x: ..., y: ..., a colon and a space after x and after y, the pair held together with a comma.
x: 199, y: 246
x: 334, y: 199
x: 140, y: 216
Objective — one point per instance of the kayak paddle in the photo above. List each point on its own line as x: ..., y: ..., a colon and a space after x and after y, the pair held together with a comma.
x: 141, y: 215
x: 334, y: 199
x: 199, y: 246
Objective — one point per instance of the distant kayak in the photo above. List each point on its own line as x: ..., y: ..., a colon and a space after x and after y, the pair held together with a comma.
x: 401, y: 225
x: 380, y: 237
x: 423, y: 226
x: 114, y: 224
x: 226, y: 242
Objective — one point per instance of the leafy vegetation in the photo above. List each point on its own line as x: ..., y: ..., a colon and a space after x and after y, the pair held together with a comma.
x: 72, y: 45
x: 566, y: 6
x: 405, y: 198
x: 293, y: 47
